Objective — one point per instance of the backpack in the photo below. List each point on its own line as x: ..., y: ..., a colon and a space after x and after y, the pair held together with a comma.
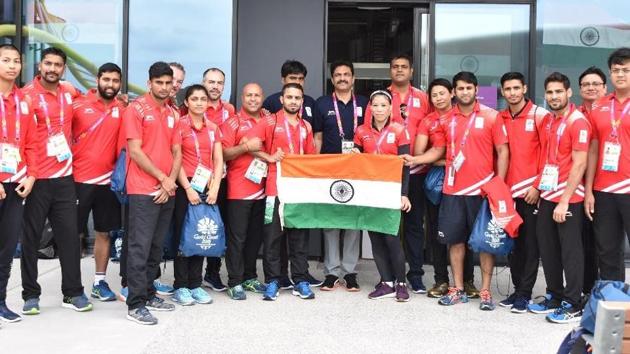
x: 119, y: 177
x: 603, y: 290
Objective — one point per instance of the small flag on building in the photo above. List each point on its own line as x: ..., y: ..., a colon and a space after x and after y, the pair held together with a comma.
x: 344, y: 191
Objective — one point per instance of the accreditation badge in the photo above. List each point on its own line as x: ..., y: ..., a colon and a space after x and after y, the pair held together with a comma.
x: 459, y: 161
x: 58, y: 146
x: 9, y: 158
x: 610, y: 160
x: 347, y: 146
x: 256, y: 171
x: 549, y: 178
x: 200, y: 178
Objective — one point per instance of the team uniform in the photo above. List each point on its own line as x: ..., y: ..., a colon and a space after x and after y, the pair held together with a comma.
x: 610, y: 120
x: 560, y: 245
x: 53, y: 195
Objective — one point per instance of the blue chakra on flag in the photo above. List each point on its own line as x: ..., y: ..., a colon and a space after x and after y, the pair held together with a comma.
x: 341, y: 191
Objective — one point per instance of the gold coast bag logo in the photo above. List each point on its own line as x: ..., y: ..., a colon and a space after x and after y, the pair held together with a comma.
x: 207, y: 233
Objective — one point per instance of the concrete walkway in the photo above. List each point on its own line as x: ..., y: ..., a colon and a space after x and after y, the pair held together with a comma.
x: 334, y: 322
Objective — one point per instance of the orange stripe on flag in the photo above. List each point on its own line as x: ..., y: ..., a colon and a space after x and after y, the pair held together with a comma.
x: 367, y: 167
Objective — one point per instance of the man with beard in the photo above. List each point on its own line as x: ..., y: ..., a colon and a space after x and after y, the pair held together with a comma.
x: 95, y: 129
x: 179, y: 75
x: 54, y: 194
x: 560, y: 213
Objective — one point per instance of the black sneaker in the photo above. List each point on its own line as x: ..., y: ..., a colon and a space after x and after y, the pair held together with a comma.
x: 142, y: 316
x: 351, y: 282
x: 214, y: 283
x: 312, y: 281
x: 285, y: 284
x: 417, y: 286
x: 330, y: 283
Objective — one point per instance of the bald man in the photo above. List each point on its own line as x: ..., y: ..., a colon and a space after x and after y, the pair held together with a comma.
x: 245, y: 195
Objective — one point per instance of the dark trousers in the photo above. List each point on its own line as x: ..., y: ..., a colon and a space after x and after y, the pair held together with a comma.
x: 148, y: 225
x: 413, y: 227
x: 187, y: 270
x: 55, y: 199
x: 561, y: 251
x: 388, y: 256
x: 11, y: 211
x: 213, y: 265
x: 244, y: 239
x: 298, y: 249
x: 611, y: 221
x: 123, y: 250
x: 591, y: 272
x: 524, y: 258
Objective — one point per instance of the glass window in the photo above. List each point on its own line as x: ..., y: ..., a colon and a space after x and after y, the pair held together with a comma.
x: 569, y: 44
x: 88, y: 31
x: 7, y: 21
x: 197, y: 34
x: 486, y: 39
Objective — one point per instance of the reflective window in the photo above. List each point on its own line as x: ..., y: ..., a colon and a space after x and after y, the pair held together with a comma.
x: 569, y: 44
x: 88, y: 31
x: 197, y: 34
x: 7, y: 21
x: 486, y: 39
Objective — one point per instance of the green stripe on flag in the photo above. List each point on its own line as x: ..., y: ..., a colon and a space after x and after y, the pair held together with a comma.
x: 335, y: 216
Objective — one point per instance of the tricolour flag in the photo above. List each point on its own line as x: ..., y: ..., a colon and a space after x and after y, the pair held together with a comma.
x: 347, y: 191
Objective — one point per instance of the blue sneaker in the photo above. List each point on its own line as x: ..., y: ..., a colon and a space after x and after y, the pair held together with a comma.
x: 162, y: 289
x: 254, y: 285
x: 183, y: 296
x: 7, y: 315
x: 237, y: 293
x: 124, y: 292
x: 567, y: 313
x: 31, y: 307
x: 271, y: 293
x: 102, y: 291
x: 417, y: 286
x: 303, y: 290
x: 201, y: 296
x: 508, y: 302
x: 520, y: 304
x: 548, y: 305
x: 454, y: 296
x: 78, y: 303
x: 214, y: 283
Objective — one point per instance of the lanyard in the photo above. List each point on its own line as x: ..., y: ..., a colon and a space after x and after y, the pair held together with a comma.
x: 338, y: 115
x: 286, y: 128
x: 453, y: 124
x: 615, y: 123
x: 18, y: 117
x: 93, y: 127
x: 379, y: 142
x: 559, y: 135
x: 44, y: 105
x: 196, y: 139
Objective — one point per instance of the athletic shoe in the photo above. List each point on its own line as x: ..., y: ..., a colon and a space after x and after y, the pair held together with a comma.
x: 567, y: 313
x: 471, y: 290
x: 31, y: 307
x: 271, y: 293
x: 157, y: 304
x: 486, y: 303
x: 401, y: 292
x: 351, y: 282
x: 303, y: 290
x: 520, y: 304
x: 78, y: 303
x: 417, y: 286
x: 201, y: 296
x: 438, y: 290
x: 183, y: 297
x: 454, y: 296
x: 508, y: 302
x: 285, y: 283
x: 330, y: 283
x: 312, y: 281
x: 163, y: 289
x: 142, y: 316
x: 547, y: 305
x: 124, y: 292
x: 382, y: 291
x: 102, y: 291
x: 7, y: 315
x: 254, y: 286
x: 214, y: 283
x: 237, y: 293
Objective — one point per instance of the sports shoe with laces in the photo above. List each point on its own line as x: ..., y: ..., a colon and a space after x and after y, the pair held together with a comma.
x: 78, y: 303
x: 254, y: 286
x: 330, y: 283
x: 454, y: 296
x: 214, y: 283
x: 201, y: 296
x: 183, y: 296
x: 303, y: 290
x: 438, y: 290
x: 102, y: 292
x: 237, y: 293
x: 486, y: 304
x: 7, y: 315
x: 351, y: 282
x: 417, y: 286
x: 163, y: 289
x: 382, y: 291
x: 508, y: 301
x: 271, y: 293
x: 520, y: 305
x: 31, y: 307
x: 157, y: 304
x: 567, y: 313
x: 312, y: 281
x: 401, y: 292
x: 285, y: 283
x: 548, y: 305
x: 142, y: 316
x: 471, y: 290
x: 124, y: 292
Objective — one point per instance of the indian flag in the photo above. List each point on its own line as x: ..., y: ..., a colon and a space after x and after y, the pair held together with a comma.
x: 344, y: 191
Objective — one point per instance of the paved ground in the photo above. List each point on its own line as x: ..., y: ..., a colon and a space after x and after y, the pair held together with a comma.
x: 334, y: 322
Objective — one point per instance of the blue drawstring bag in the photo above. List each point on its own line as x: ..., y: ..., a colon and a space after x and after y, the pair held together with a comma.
x: 203, y: 233
x: 487, y: 236
x: 603, y: 290
x: 116, y: 241
x: 119, y: 176
x: 433, y: 184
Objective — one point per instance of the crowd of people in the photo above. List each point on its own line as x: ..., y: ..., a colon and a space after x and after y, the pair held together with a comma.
x: 568, y: 177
